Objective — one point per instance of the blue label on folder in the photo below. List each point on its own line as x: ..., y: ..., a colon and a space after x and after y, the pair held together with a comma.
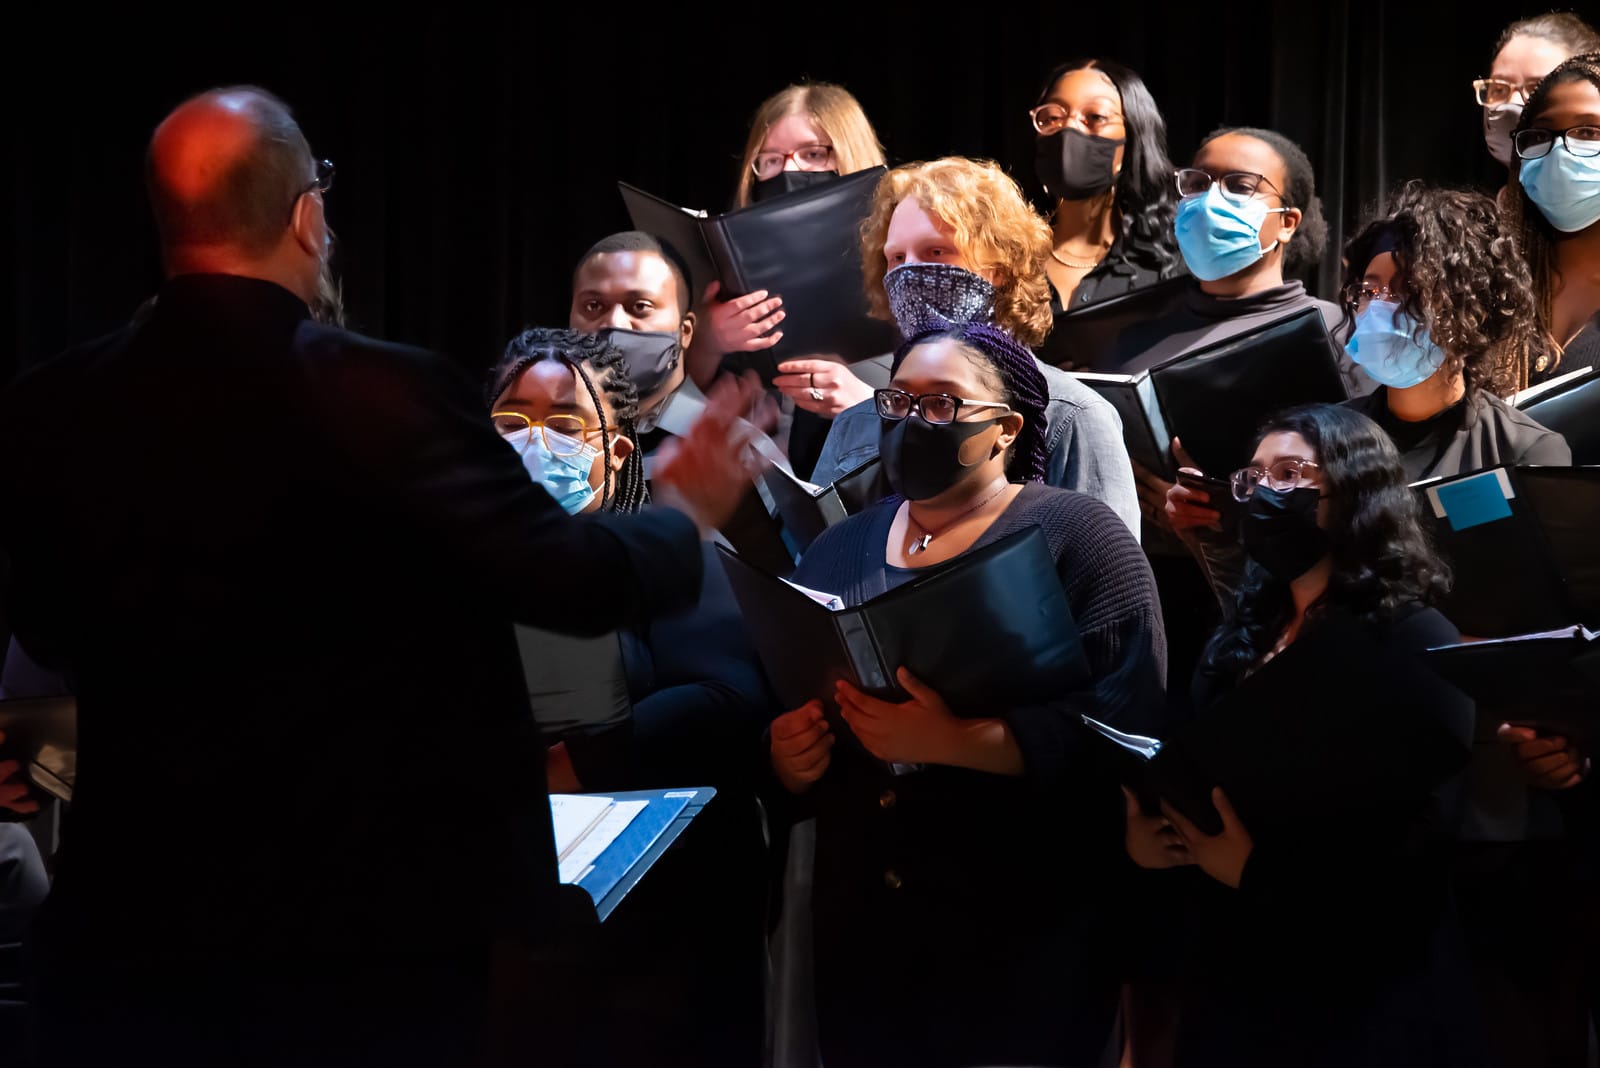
x: 1474, y: 501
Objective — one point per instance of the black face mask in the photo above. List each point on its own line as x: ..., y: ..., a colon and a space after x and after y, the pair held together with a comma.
x: 651, y: 356
x: 1075, y: 166
x: 1279, y: 530
x: 788, y: 182
x: 921, y: 459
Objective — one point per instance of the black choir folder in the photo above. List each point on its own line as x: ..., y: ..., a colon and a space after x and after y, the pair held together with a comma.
x: 1522, y: 546
x: 1569, y: 405
x: 1215, y: 398
x: 989, y: 629
x: 1337, y: 729
x: 805, y: 510
x: 1090, y: 338
x: 1548, y: 681
x: 804, y: 247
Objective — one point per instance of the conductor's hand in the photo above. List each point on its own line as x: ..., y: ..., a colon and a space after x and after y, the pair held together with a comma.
x: 738, y: 325
x: 1152, y: 841
x: 802, y: 746
x: 14, y: 789
x: 1550, y: 763
x: 705, y: 474
x: 821, y: 385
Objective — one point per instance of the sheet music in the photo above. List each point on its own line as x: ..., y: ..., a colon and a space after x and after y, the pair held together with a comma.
x: 612, y: 823
x: 829, y: 601
x: 573, y: 816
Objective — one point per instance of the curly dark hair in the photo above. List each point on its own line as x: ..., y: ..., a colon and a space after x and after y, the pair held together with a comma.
x: 1464, y: 281
x: 1383, y: 560
x: 1300, y: 191
x: 1011, y: 371
x: 1147, y: 198
x: 601, y: 367
x: 1535, y: 236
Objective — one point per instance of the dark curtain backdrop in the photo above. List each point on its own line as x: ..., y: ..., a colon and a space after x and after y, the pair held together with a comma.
x: 477, y: 152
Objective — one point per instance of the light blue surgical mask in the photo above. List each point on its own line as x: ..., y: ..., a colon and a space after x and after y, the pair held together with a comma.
x: 1219, y: 236
x: 1384, y: 345
x: 1565, y: 188
x: 566, y: 477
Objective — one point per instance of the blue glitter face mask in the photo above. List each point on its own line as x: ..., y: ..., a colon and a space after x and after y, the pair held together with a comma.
x: 936, y: 296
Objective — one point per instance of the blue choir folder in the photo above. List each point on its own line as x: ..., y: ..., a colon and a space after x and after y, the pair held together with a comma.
x: 623, y: 862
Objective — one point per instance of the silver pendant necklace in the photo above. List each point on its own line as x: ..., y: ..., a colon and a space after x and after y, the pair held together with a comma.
x: 921, y: 544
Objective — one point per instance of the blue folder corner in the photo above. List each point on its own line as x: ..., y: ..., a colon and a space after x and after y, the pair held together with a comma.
x: 624, y: 862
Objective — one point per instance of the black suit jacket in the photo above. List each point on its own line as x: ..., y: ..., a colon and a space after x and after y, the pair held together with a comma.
x: 279, y: 562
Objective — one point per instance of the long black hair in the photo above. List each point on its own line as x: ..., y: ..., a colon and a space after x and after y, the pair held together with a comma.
x: 1300, y: 191
x: 1383, y: 560
x: 1147, y: 197
x: 601, y: 367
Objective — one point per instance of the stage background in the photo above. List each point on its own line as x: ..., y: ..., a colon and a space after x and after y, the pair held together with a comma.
x: 477, y: 152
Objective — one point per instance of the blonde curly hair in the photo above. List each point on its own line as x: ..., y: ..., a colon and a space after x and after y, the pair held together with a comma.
x: 992, y: 226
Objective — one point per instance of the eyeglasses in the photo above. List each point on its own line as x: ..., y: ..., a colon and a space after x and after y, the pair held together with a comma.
x: 1050, y: 118
x: 935, y: 408
x: 1493, y: 91
x: 320, y: 184
x: 1534, y: 143
x: 562, y: 434
x: 815, y: 157
x: 1357, y: 295
x: 1236, y: 185
x: 1281, y: 476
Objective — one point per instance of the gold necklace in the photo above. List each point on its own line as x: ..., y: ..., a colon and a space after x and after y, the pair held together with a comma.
x: 1075, y: 266
x: 919, y: 544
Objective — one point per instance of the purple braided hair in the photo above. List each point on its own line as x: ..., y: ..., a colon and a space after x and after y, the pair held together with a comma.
x: 1021, y: 381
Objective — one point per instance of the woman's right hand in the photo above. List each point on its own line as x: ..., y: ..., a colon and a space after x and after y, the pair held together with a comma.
x: 802, y: 744
x: 1186, y: 507
x: 1152, y: 841
x: 737, y: 325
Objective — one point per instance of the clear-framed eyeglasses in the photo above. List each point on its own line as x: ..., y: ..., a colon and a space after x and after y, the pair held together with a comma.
x: 1283, y: 476
x: 1051, y: 118
x: 1491, y: 92
x: 563, y: 435
x: 1357, y: 295
x: 814, y: 157
x: 935, y: 408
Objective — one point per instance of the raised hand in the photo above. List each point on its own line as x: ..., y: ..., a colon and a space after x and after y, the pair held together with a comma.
x: 738, y: 325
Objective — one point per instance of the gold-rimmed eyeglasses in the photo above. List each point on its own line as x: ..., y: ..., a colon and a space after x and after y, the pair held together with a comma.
x: 563, y: 435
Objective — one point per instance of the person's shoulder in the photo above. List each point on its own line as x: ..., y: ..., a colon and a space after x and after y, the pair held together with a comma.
x: 1415, y: 626
x: 58, y: 375
x: 1075, y: 519
x: 1517, y: 421
x: 345, y: 355
x: 1061, y: 387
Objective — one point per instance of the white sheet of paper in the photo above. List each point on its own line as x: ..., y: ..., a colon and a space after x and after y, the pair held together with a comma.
x: 573, y: 816
x: 577, y: 863
x: 829, y: 601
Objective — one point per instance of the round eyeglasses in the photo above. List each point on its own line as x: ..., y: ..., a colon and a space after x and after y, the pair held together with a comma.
x: 1235, y: 185
x: 817, y: 157
x: 1536, y: 142
x: 1050, y: 118
x: 562, y: 434
x: 1283, y: 476
x: 1357, y: 295
x: 935, y: 408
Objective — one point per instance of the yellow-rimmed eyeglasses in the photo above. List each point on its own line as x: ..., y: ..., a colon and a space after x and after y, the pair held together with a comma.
x: 563, y: 435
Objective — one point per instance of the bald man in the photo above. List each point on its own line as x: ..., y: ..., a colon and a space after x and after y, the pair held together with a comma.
x: 279, y: 561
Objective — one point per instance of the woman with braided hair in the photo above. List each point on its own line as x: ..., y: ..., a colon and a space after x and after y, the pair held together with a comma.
x: 1553, y: 206
x: 699, y: 703
x: 941, y: 934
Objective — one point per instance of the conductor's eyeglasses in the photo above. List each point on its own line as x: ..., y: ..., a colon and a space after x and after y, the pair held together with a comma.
x: 935, y: 408
x: 1282, y: 476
